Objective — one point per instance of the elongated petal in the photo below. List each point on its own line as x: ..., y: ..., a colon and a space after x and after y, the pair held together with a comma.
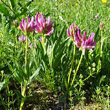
x: 49, y: 33
x: 21, y: 27
x: 38, y: 30
x: 48, y: 20
x: 77, y: 39
x: 91, y: 37
x: 84, y: 36
x: 72, y: 34
x: 68, y: 32
x: 50, y: 25
x: 79, y: 33
x: 28, y: 19
x: 71, y: 26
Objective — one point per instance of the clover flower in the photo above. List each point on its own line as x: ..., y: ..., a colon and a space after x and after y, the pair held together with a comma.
x: 83, y: 43
x: 28, y: 26
x: 22, y: 38
x: 71, y: 33
x: 43, y: 25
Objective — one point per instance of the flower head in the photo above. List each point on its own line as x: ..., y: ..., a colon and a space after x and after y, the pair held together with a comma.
x: 71, y: 33
x: 28, y: 26
x: 83, y: 43
x: 104, y: 1
x: 22, y: 38
x: 96, y: 16
x: 43, y: 25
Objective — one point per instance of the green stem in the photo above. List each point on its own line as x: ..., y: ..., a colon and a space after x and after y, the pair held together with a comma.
x: 8, y: 97
x: 77, y: 69
x: 23, y: 94
x: 2, y: 102
x: 23, y: 87
x: 80, y: 88
x: 88, y: 77
x: 101, y: 41
x: 13, y: 100
x: 43, y: 43
x: 69, y: 74
x: 26, y: 56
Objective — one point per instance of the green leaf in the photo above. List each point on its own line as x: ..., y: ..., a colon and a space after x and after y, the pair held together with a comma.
x: 102, y: 79
x: 5, y: 82
x: 62, y: 98
x: 2, y: 84
x: 50, y: 50
x: 13, y: 3
x: 4, y: 10
x: 34, y: 74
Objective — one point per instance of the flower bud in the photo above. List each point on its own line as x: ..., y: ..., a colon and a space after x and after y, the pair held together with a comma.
x: 93, y: 64
x: 93, y: 69
x: 101, y: 26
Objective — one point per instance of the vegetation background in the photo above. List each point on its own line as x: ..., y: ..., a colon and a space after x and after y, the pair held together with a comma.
x: 47, y: 84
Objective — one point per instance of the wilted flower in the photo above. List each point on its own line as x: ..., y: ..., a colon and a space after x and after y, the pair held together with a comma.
x: 82, y: 43
x: 104, y: 1
x: 22, y: 38
x: 43, y: 25
x: 71, y: 33
x: 28, y: 26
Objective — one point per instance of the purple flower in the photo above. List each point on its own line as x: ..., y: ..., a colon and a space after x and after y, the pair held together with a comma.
x: 22, y: 38
x: 43, y: 25
x: 83, y: 43
x: 28, y: 26
x: 96, y: 16
x: 71, y: 33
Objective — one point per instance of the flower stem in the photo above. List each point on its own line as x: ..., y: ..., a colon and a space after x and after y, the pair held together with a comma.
x: 88, y: 76
x: 69, y: 74
x: 77, y: 69
x: 101, y: 41
x: 23, y: 94
x: 26, y: 56
x: 23, y: 86
x: 8, y: 97
x: 43, y: 43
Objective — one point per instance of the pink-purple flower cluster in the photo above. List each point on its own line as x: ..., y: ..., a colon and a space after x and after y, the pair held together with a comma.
x: 72, y: 31
x: 40, y: 24
x: 28, y: 26
x: 81, y: 41
x: 43, y: 25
